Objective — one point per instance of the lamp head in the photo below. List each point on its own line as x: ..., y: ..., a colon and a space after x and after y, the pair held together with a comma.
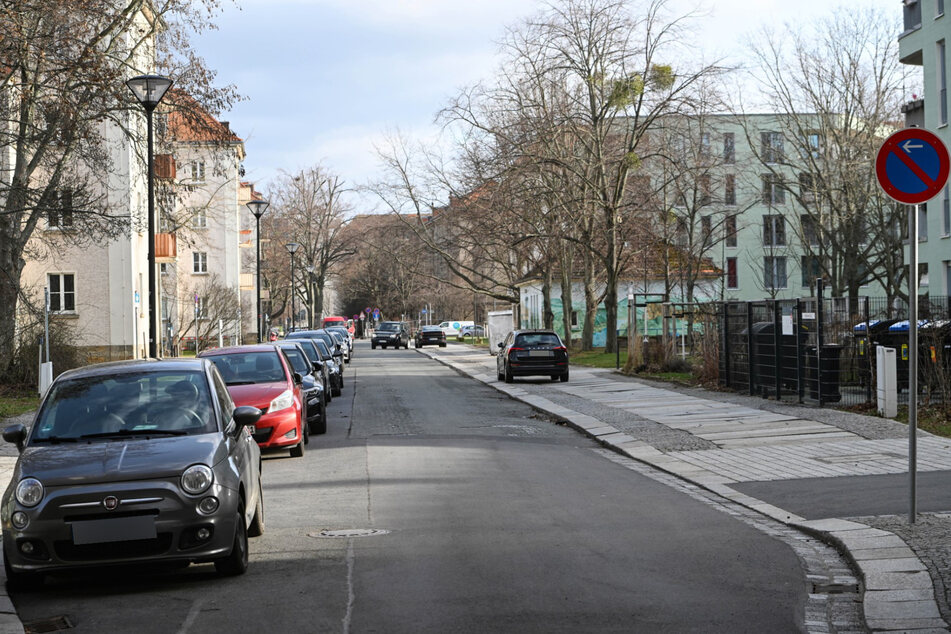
x: 292, y: 247
x: 149, y: 89
x: 258, y: 207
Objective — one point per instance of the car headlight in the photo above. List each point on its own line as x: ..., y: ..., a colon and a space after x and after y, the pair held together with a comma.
x: 285, y: 400
x: 29, y: 492
x: 197, y: 478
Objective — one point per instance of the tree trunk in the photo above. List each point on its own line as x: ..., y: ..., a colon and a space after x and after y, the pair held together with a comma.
x: 548, y: 316
x: 590, y: 304
x: 567, y: 301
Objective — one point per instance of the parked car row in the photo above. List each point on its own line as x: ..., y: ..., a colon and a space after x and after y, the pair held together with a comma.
x: 160, y: 460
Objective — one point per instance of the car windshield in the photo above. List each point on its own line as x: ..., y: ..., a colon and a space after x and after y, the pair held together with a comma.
x: 298, y: 362
x: 169, y: 403
x: 538, y: 339
x: 245, y: 368
x: 310, y: 349
x: 389, y: 325
x: 324, y: 350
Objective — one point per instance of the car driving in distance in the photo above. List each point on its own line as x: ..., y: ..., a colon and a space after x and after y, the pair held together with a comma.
x: 390, y: 333
x: 133, y: 462
x: 532, y: 353
x: 430, y: 335
x: 261, y: 376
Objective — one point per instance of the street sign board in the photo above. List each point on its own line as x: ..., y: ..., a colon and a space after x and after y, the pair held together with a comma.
x: 912, y: 166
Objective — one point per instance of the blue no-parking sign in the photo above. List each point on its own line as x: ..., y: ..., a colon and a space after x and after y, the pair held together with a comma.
x: 912, y: 166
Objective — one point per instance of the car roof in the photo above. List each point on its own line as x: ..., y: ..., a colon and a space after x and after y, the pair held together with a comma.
x: 130, y: 366
x: 431, y: 328
x: 253, y: 347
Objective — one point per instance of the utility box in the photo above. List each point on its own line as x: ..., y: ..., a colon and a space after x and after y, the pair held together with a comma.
x: 887, y: 381
x: 500, y: 324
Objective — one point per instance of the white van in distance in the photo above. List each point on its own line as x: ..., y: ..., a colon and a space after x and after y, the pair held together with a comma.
x: 452, y: 327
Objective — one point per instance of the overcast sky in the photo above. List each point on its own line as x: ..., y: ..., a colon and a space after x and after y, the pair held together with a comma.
x: 326, y: 79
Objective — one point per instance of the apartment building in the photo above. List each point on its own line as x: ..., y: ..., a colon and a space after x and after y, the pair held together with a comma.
x: 923, y: 43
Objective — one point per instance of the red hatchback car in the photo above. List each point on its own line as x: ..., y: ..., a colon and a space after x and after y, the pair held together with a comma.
x: 261, y: 376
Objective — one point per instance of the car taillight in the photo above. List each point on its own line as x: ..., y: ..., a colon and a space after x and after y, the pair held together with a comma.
x: 559, y: 348
x: 514, y: 350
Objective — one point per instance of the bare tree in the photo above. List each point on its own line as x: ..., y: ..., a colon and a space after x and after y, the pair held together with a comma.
x: 204, y: 308
x: 837, y: 85
x: 63, y: 64
x: 313, y: 206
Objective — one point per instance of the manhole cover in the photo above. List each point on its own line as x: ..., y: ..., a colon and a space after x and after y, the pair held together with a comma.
x: 350, y: 532
x: 54, y: 624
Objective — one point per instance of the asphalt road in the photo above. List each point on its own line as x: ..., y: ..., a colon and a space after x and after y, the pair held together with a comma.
x: 486, y: 518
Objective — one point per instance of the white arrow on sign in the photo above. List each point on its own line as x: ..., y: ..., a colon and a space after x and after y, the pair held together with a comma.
x: 908, y: 147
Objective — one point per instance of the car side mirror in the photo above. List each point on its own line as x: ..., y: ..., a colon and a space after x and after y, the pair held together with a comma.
x: 501, y: 345
x: 16, y: 434
x: 244, y: 416
x: 318, y: 365
x: 298, y: 378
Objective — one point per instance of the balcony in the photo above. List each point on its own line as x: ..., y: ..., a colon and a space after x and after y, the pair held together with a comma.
x: 166, y: 247
x: 247, y: 281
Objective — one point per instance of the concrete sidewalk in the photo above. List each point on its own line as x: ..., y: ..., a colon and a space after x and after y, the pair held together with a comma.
x: 723, y: 442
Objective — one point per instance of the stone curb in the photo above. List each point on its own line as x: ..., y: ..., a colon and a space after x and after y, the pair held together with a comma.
x: 897, y: 593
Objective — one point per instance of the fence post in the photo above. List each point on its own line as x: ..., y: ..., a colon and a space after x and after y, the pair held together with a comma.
x: 819, y: 301
x: 749, y: 347
x: 868, y: 351
x: 725, y: 338
x: 800, y: 374
x: 777, y: 352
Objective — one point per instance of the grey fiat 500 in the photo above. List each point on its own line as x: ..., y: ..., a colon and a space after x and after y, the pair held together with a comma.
x: 133, y: 461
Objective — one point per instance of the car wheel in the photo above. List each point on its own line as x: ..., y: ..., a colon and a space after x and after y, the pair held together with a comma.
x: 297, y: 451
x: 22, y: 581
x: 320, y: 426
x: 442, y: 345
x: 564, y: 377
x: 257, y: 522
x: 508, y: 375
x: 335, y: 390
x: 236, y: 563
x: 554, y: 377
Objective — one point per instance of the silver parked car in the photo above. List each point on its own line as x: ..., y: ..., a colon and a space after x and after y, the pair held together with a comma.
x: 133, y: 461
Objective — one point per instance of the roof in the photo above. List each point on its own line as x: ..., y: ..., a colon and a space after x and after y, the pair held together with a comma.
x: 190, y: 122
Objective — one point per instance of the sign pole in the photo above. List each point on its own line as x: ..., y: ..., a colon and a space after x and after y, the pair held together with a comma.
x: 913, y: 364
x: 912, y: 167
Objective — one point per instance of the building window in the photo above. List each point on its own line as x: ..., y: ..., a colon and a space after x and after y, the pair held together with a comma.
x: 163, y: 268
x: 942, y: 84
x: 198, y: 171
x: 774, y: 272
x: 947, y: 278
x: 923, y: 222
x: 729, y: 148
x: 774, y: 231
x: 810, y: 270
x: 706, y: 195
x: 773, y: 192
x: 807, y: 188
x: 813, y: 145
x: 732, y: 279
x: 771, y: 147
x: 939, y: 8
x: 705, y: 144
x: 62, y: 292
x: 729, y: 191
x: 574, y: 319
x: 201, y: 309
x: 809, y: 234
x: 912, y: 14
x: 922, y: 274
x: 61, y: 216
x: 200, y: 219
x: 706, y: 228
x: 730, y: 225
x: 199, y: 262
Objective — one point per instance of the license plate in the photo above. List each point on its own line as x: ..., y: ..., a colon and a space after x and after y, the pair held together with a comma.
x: 118, y: 529
x: 547, y: 354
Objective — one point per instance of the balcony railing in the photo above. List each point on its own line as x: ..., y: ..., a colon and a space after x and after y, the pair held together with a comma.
x: 166, y: 247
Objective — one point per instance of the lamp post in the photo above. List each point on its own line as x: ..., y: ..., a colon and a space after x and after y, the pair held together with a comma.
x: 292, y: 248
x: 258, y: 207
x: 149, y: 90
x: 310, y: 295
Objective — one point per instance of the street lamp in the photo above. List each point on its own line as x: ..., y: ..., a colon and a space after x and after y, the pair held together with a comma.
x: 149, y: 90
x: 292, y: 248
x: 258, y: 207
x: 310, y: 295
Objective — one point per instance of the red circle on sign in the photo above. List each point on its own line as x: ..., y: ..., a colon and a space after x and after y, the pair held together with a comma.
x: 932, y: 186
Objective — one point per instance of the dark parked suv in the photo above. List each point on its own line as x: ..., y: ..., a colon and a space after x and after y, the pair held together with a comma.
x: 532, y: 352
x: 390, y: 333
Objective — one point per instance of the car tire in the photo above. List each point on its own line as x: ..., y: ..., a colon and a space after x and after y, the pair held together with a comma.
x: 372, y: 346
x: 442, y: 345
x: 335, y: 390
x: 508, y: 375
x: 554, y: 377
x: 257, y: 522
x: 22, y: 581
x: 499, y: 375
x: 297, y: 451
x: 564, y: 377
x: 304, y: 428
x: 406, y: 346
x: 320, y: 426
x: 236, y: 563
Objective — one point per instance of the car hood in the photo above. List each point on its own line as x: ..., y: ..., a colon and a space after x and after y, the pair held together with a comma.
x: 114, y: 461
x: 257, y: 395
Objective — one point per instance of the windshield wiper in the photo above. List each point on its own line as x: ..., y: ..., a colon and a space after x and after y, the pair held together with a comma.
x: 136, y: 432
x: 56, y: 439
x: 239, y: 382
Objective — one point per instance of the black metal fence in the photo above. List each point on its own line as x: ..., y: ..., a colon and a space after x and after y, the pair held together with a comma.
x: 822, y: 351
